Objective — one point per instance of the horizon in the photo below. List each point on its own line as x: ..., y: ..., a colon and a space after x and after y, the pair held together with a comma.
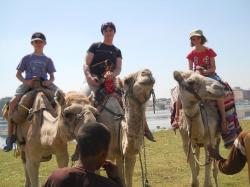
x: 153, y: 35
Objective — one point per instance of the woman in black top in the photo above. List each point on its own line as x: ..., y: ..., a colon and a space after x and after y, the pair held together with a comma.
x: 102, y: 56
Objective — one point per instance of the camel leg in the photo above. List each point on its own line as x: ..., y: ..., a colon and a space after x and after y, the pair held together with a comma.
x: 215, y: 172
x: 27, y: 179
x: 197, y: 166
x: 120, y: 164
x: 191, y: 161
x: 129, y: 169
x: 215, y: 166
x: 62, y: 157
x: 32, y: 168
x: 207, y: 181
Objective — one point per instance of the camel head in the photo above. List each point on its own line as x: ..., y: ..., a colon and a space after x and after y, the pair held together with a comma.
x: 75, y: 111
x: 76, y: 115
x: 194, y: 87
x: 139, y: 85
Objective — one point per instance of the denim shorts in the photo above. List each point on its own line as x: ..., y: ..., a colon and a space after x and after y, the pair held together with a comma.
x: 22, y: 89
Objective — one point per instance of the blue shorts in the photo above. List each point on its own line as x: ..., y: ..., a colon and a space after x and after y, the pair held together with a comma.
x: 22, y: 89
x: 215, y: 77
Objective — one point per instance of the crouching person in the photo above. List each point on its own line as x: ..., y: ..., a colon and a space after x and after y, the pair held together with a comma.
x: 93, y: 141
x: 238, y: 156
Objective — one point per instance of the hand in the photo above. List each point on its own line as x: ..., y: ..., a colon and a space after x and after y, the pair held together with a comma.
x: 94, y: 81
x: 28, y: 83
x: 46, y: 83
x: 108, y: 75
x: 213, y: 153
x: 111, y: 169
x: 200, y: 69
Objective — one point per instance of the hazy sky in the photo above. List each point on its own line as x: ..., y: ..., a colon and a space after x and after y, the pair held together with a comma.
x: 151, y: 34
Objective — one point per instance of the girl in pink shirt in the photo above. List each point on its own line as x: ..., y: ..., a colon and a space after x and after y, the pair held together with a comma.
x: 201, y: 59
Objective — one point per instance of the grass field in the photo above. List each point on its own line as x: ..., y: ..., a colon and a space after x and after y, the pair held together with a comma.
x: 166, y: 165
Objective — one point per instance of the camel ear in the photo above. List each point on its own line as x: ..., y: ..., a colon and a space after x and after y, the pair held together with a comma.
x: 60, y: 97
x: 128, y: 82
x: 178, y: 77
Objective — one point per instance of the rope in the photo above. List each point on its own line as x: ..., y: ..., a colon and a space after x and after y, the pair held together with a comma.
x: 145, y: 163
x: 144, y: 171
x: 154, y: 99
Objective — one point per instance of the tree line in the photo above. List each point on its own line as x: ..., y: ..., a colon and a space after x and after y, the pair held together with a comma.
x: 3, y: 101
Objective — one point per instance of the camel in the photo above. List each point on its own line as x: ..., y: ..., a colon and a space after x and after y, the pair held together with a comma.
x: 46, y: 131
x: 126, y: 126
x: 199, y: 121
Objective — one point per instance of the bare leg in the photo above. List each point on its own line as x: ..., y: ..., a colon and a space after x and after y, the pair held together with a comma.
x: 11, y: 139
x: 221, y: 107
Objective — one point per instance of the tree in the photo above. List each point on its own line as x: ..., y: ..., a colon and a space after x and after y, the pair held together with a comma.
x: 3, y: 101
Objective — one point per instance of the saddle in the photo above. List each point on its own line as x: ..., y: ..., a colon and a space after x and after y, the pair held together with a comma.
x: 107, y: 89
x: 24, y: 107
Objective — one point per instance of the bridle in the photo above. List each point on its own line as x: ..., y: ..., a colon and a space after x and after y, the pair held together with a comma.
x: 190, y: 120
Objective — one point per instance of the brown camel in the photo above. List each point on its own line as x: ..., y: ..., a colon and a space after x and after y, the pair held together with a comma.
x: 126, y: 126
x: 199, y: 120
x: 46, y: 131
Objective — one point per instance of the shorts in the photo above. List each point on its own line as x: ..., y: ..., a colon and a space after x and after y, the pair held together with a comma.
x: 22, y: 89
x: 215, y: 77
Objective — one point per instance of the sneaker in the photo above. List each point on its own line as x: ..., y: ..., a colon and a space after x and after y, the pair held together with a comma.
x: 149, y: 136
x: 10, y: 140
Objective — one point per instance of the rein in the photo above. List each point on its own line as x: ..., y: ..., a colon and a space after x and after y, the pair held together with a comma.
x: 30, y: 110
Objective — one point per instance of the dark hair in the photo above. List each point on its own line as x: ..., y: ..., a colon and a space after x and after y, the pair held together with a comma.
x: 203, y: 40
x: 92, y: 138
x: 106, y: 25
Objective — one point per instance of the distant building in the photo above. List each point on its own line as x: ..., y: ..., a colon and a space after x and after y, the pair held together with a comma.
x: 241, y: 95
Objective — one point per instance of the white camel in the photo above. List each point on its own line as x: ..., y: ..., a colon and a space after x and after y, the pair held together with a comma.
x: 199, y: 121
x: 126, y: 126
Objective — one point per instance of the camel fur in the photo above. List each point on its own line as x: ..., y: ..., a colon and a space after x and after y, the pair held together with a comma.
x: 199, y: 124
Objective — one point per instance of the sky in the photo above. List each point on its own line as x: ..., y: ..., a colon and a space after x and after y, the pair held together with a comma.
x: 151, y: 34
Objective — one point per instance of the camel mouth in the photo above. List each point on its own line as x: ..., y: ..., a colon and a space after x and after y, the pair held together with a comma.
x: 147, y: 81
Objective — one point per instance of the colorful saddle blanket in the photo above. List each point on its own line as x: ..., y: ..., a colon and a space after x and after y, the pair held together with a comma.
x: 233, y: 126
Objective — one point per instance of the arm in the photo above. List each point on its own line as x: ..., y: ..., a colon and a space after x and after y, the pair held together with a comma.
x: 112, y: 172
x: 233, y: 164
x: 190, y: 65
x: 178, y: 107
x: 20, y: 77
x: 118, y: 67
x: 90, y: 79
x: 211, y: 69
x: 50, y: 81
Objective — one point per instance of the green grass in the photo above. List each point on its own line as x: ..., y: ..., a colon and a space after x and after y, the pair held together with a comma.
x: 166, y: 165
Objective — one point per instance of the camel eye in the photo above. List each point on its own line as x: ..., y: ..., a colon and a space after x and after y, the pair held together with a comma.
x: 68, y: 115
